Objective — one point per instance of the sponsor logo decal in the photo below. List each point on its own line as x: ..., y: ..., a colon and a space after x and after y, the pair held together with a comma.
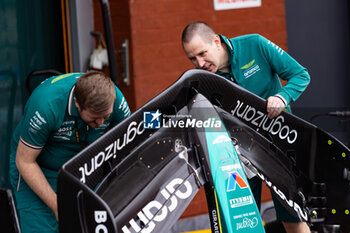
x: 247, y: 223
x: 279, y: 50
x: 111, y: 150
x: 241, y: 201
x: 124, y: 107
x: 231, y: 167
x: 253, y: 70
x: 221, y: 139
x: 62, y: 137
x: 36, y: 122
x: 261, y: 121
x: 155, y: 212
x: 215, y: 221
x: 100, y: 218
x: 40, y: 117
x: 104, y: 125
x: 250, y: 69
x: 302, y: 214
x: 235, y: 178
x: 65, y: 131
x: 247, y: 66
x: 151, y: 120
x: 68, y: 123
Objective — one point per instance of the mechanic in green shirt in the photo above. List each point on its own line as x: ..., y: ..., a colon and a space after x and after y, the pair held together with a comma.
x: 256, y: 64
x: 63, y: 115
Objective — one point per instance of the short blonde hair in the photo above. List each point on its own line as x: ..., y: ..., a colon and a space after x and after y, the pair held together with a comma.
x: 95, y: 91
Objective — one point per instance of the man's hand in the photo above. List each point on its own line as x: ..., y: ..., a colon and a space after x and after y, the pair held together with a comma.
x: 275, y: 105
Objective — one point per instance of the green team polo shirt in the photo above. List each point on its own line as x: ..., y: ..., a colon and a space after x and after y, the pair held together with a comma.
x: 50, y: 120
x: 256, y: 64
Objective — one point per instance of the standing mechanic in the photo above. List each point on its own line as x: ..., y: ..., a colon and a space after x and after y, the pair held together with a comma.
x: 256, y: 64
x: 63, y: 115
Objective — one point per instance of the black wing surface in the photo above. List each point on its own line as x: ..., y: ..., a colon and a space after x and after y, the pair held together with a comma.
x: 315, y: 163
x: 148, y: 190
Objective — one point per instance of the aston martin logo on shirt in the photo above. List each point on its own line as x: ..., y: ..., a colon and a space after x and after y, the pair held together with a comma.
x: 250, y: 69
x: 247, y: 66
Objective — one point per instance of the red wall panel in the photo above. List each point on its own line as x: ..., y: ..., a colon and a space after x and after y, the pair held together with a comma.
x: 156, y: 28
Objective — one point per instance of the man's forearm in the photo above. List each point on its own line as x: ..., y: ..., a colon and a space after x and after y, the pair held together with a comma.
x: 36, y: 180
x: 34, y: 177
